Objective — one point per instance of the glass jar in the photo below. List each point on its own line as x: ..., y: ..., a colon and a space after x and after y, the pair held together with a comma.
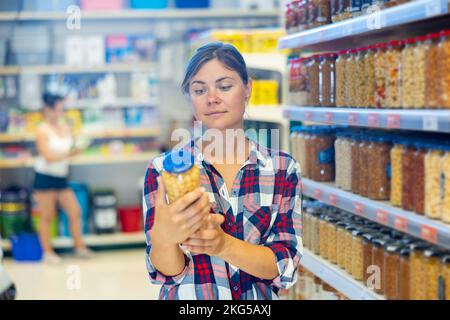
x: 363, y: 166
x: 312, y: 13
x: 419, y: 178
x: 432, y: 67
x: 407, y: 176
x: 393, y: 75
x: 380, y: 74
x: 378, y: 245
x: 338, y: 156
x: 302, y: 16
x: 367, y: 255
x: 289, y: 18
x: 327, y: 81
x: 307, y: 225
x: 357, y: 255
x: 391, y: 271
x: 334, y: 8
x: 379, y: 164
x: 409, y: 65
x: 417, y: 285
x: 323, y: 12
x: 404, y: 274
x: 346, y: 9
x: 315, y: 233
x: 396, y: 173
x: 355, y: 8
x: 360, y: 78
x: 445, y: 272
x: 323, y: 235
x: 294, y: 142
x: 313, y: 77
x: 180, y: 174
x: 332, y: 240
x: 444, y: 67
x: 340, y: 244
x: 323, y: 155
x: 445, y: 185
x: 432, y: 273
x: 295, y: 13
x: 348, y: 246
x: 355, y: 163
x: 433, y: 182
x: 419, y: 75
x: 340, y: 79
x: 306, y: 170
x: 350, y: 77
x: 369, y: 76
x: 343, y: 162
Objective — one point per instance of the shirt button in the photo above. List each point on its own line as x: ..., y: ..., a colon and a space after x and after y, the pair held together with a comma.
x: 230, y: 224
x: 235, y: 288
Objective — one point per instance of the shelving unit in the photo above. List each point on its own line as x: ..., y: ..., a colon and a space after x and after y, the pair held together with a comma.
x: 409, y: 18
x: 104, y: 240
x: 337, y: 278
x: 407, y: 119
x: 64, y: 69
x: 267, y: 61
x: 117, y: 103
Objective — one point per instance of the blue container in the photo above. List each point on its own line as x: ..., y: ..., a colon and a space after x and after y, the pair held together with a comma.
x: 82, y: 194
x: 26, y: 247
x: 48, y: 5
x: 148, y: 4
x: 192, y: 3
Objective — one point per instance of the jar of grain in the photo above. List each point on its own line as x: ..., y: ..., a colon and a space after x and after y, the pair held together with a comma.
x: 343, y: 160
x: 417, y: 285
x: 356, y: 139
x: 419, y: 76
x: 327, y: 81
x: 378, y: 245
x: 323, y: 155
x: 348, y: 246
x: 391, y: 271
x: 445, y: 272
x: 408, y: 64
x: 315, y: 232
x: 432, y: 273
x: 313, y: 76
x: 323, y: 235
x: 332, y: 239
x: 419, y: 178
x: 360, y: 78
x: 396, y: 173
x: 306, y: 170
x: 380, y: 75
x: 433, y: 182
x: 369, y: 76
x: 357, y: 255
x: 407, y: 176
x: 301, y: 148
x: 404, y: 273
x: 338, y: 158
x: 393, y: 75
x: 432, y: 71
x: 367, y: 255
x: 340, y: 79
x: 363, y: 166
x: 444, y: 69
x: 350, y: 77
x: 445, y: 185
x: 340, y: 243
x: 379, y: 164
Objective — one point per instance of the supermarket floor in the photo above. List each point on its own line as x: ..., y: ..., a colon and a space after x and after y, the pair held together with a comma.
x: 111, y: 275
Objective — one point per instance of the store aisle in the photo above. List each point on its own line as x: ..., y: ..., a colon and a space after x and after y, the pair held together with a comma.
x: 111, y: 275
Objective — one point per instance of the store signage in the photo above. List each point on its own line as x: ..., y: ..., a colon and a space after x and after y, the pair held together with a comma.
x: 382, y: 217
x: 352, y: 118
x: 393, y: 121
x: 373, y: 120
x: 401, y: 224
x: 429, y: 234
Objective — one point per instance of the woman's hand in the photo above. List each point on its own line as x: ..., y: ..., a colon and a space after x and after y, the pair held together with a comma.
x: 176, y: 222
x: 210, y: 239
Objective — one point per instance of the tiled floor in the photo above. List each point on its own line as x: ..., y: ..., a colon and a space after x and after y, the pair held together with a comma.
x: 119, y: 274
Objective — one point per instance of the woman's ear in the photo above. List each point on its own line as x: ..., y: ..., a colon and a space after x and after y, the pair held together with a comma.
x: 248, y: 89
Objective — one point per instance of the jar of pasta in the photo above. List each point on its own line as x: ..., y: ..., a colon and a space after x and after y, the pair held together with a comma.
x: 368, y: 92
x: 340, y: 243
x: 393, y: 75
x: 379, y: 164
x: 445, y: 185
x: 323, y: 235
x: 444, y: 67
x: 307, y: 226
x: 357, y: 255
x: 315, y: 232
x: 350, y: 77
x: 327, y: 81
x: 378, y: 245
x: 301, y: 148
x: 338, y: 158
x: 306, y: 169
x: 391, y: 271
x: 404, y: 279
x: 433, y: 182
x: 340, y: 79
x: 420, y: 50
x: 432, y: 273
x: 432, y: 67
x: 419, y: 178
x: 409, y: 69
x: 363, y: 166
x: 180, y: 175
x: 417, y: 285
x: 380, y: 63
x: 360, y: 78
x: 323, y: 12
x: 343, y: 161
x: 355, y: 163
x: 348, y: 245
x: 332, y: 240
x: 367, y: 255
x: 407, y: 176
x: 396, y: 173
x: 323, y: 155
x: 313, y: 76
x: 445, y: 272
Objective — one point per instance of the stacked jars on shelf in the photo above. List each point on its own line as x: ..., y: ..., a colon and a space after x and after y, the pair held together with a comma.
x: 410, y: 73
x: 388, y: 262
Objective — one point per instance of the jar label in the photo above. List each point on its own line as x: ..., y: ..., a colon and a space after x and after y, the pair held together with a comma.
x: 326, y: 156
x: 332, y: 75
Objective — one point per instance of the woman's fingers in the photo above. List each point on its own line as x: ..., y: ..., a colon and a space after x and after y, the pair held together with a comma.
x: 196, y: 220
x: 204, y: 234
x: 199, y: 242
x: 189, y: 198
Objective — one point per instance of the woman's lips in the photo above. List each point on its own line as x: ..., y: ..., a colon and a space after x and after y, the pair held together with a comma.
x: 216, y: 114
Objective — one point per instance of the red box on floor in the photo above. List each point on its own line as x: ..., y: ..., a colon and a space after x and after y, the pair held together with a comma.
x: 131, y: 219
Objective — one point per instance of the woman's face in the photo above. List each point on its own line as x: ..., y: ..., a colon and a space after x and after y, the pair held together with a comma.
x: 219, y: 96
x: 55, y: 113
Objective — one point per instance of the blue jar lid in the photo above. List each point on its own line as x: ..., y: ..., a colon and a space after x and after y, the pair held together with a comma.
x: 178, y: 161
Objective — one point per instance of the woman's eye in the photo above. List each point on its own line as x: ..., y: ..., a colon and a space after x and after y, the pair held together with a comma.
x: 225, y: 88
x: 199, y: 91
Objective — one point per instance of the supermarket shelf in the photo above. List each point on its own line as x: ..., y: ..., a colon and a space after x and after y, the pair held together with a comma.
x: 337, y: 278
x: 381, y: 212
x: 414, y: 17
x: 117, y: 103
x: 411, y: 119
x: 145, y: 14
x: 93, y: 240
x: 9, y: 70
x: 267, y: 114
x: 266, y: 61
x: 85, y: 160
x: 103, y: 134
x: 63, y: 69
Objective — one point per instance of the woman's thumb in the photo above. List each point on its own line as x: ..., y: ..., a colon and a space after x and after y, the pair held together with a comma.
x: 215, y: 220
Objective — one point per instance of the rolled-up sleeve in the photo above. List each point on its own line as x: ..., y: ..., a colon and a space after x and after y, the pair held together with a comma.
x: 285, y: 238
x: 149, y: 201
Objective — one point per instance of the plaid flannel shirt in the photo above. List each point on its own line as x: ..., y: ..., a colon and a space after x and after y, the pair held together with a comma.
x: 263, y: 209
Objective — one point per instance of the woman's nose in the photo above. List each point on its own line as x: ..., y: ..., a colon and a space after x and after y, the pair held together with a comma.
x: 213, y: 98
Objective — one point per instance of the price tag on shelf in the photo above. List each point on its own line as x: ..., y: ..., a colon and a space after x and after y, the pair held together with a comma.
x: 286, y: 114
x: 318, y: 194
x: 429, y: 234
x: 333, y: 199
x: 393, y: 121
x: 359, y: 208
x: 373, y: 120
x: 430, y: 123
x: 308, y: 115
x: 352, y: 118
x: 401, y: 224
x: 329, y: 117
x: 382, y: 217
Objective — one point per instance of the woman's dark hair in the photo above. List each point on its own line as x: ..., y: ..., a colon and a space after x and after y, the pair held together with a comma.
x: 50, y: 100
x: 225, y: 53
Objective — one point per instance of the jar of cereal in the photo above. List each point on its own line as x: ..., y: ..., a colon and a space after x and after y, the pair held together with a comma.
x: 444, y: 69
x: 393, y: 74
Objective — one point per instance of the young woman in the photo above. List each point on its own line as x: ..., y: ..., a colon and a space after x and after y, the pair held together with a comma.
x: 55, y: 147
x: 251, y: 246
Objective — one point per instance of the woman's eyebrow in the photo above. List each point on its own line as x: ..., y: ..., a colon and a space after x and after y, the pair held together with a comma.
x: 224, y: 78
x: 218, y: 80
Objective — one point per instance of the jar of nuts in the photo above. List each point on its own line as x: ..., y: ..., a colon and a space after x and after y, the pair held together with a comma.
x: 380, y: 167
x: 409, y: 69
x: 369, y: 75
x: 432, y: 71
x: 340, y: 79
x: 396, y: 173
x: 419, y: 76
x: 407, y: 177
x: 380, y: 75
x: 444, y: 69
x: 419, y: 178
x: 445, y: 185
x: 433, y: 182
x: 393, y: 75
x: 180, y: 175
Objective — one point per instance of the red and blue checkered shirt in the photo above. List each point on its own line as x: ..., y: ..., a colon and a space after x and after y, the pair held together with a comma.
x: 264, y: 208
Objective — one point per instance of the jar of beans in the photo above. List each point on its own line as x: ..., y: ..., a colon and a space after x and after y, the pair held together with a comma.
x: 419, y: 177
x: 327, y: 80
x: 444, y: 69
x: 322, y: 164
x: 379, y: 164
